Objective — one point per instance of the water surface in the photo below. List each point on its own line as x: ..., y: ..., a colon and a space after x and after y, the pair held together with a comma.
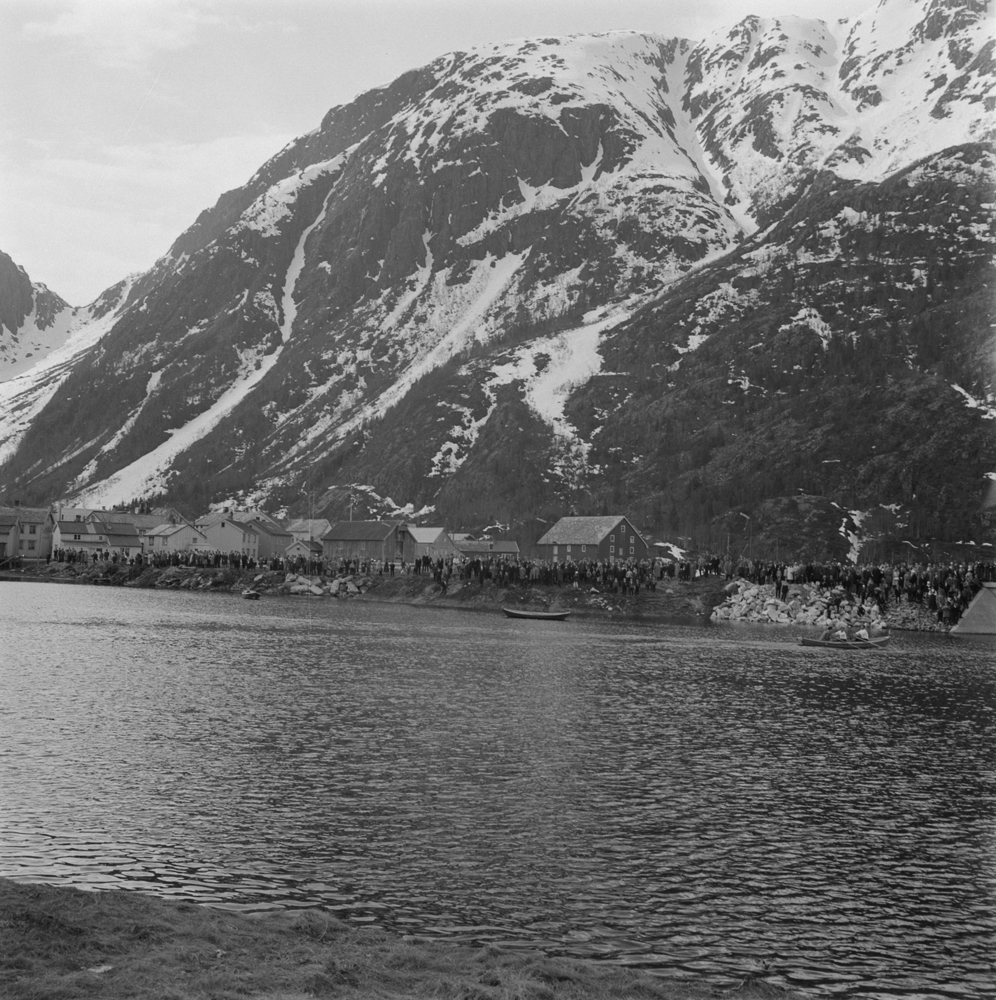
x: 699, y: 800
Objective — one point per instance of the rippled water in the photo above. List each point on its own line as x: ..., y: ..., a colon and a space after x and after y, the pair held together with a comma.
x: 700, y: 800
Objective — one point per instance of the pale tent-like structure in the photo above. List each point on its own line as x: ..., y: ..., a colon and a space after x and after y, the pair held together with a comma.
x: 980, y: 616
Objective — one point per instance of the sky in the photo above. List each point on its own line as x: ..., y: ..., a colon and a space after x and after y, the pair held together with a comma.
x: 121, y: 120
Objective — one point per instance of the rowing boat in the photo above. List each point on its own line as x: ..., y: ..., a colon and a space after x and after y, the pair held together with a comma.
x: 848, y: 644
x: 553, y: 616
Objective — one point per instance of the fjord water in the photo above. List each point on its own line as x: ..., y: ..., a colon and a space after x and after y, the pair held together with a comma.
x: 704, y: 801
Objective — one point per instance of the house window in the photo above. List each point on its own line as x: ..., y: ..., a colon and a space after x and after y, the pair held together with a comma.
x: 568, y: 550
x: 32, y: 530
x: 612, y: 538
x: 631, y: 550
x: 555, y: 549
x: 632, y: 539
x: 31, y: 546
x: 612, y: 550
x: 76, y: 538
x: 584, y: 548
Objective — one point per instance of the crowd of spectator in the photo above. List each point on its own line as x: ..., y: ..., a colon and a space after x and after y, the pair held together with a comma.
x: 943, y: 588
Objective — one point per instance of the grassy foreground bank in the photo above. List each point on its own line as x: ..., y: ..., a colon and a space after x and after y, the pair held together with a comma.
x: 62, y: 943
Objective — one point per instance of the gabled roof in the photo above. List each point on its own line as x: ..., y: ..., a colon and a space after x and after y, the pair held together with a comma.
x: 165, y: 530
x: 359, y: 531
x: 268, y: 528
x: 209, y: 520
x: 32, y: 515
x: 580, y: 530
x: 7, y: 520
x: 244, y: 516
x: 118, y: 528
x: 425, y: 536
x: 140, y: 521
x: 82, y: 528
x: 314, y: 526
x: 311, y: 544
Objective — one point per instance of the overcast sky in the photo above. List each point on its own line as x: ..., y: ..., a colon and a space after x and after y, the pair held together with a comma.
x: 120, y: 120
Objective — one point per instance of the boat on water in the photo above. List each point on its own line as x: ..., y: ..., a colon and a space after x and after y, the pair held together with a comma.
x: 553, y: 616
x: 876, y: 643
x: 250, y: 595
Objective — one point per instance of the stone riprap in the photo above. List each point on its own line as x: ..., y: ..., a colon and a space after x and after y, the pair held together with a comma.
x: 817, y: 606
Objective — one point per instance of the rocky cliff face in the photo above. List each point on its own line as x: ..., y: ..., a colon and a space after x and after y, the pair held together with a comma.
x: 460, y: 290
x: 33, y: 320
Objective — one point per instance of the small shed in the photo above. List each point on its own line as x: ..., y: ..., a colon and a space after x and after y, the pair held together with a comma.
x: 303, y: 549
x: 414, y: 542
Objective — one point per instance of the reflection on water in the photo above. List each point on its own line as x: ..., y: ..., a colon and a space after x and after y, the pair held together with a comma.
x: 697, y: 800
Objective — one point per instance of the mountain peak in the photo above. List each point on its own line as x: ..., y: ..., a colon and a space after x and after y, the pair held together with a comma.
x: 468, y: 257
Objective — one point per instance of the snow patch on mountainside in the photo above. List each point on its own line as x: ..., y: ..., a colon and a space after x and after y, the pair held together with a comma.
x: 547, y: 370
x: 809, y: 318
x: 465, y: 307
x: 987, y: 405
x: 150, y: 473
x: 24, y: 396
x: 275, y: 204
x: 25, y: 347
x: 89, y: 471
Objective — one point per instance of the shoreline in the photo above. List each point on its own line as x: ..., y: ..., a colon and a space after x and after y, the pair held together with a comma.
x: 117, y: 943
x: 708, y: 599
x: 672, y: 599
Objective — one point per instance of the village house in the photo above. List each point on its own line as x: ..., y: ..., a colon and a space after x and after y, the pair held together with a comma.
x: 611, y: 538
x: 361, y: 540
x: 142, y: 523
x: 169, y: 538
x: 415, y: 542
x: 273, y: 539
x: 123, y: 539
x: 86, y: 537
x: 224, y: 534
x: 33, y: 536
x: 9, y: 536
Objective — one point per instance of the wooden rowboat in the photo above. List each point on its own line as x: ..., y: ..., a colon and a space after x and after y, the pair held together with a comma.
x: 877, y: 643
x: 552, y: 616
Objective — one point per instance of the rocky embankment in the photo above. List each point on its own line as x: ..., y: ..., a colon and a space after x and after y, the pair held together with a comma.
x: 671, y: 598
x: 749, y: 602
x: 736, y: 601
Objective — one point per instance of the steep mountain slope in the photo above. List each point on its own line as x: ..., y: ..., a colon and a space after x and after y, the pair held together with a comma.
x: 487, y: 288
x: 33, y: 320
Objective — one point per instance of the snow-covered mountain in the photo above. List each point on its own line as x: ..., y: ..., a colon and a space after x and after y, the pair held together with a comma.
x: 33, y: 320
x: 416, y: 295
